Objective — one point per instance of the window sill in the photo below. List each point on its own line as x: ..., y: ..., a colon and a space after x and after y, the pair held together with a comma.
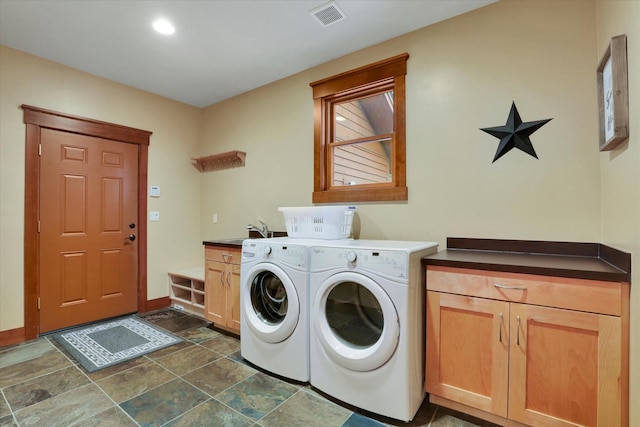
x: 349, y: 195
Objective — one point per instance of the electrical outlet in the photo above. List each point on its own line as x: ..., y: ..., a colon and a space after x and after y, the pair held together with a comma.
x: 215, y: 218
x: 154, y: 216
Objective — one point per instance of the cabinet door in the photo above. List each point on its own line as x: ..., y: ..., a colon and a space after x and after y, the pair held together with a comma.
x: 215, y: 291
x: 565, y: 367
x: 467, y: 350
x: 233, y: 297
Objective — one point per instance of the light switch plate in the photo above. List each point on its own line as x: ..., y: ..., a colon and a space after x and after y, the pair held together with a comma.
x: 154, y: 216
x: 154, y: 191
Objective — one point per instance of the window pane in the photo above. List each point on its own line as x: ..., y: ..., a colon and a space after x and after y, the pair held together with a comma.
x: 362, y: 163
x: 364, y: 117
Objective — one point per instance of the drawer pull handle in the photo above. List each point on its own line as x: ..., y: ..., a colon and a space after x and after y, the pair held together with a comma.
x: 515, y: 288
x: 518, y: 330
x: 500, y: 327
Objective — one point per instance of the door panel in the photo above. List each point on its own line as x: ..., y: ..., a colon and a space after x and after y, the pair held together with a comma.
x: 73, y: 278
x: 467, y: 356
x: 88, y: 198
x: 215, y: 304
x: 234, y: 297
x: 565, y: 367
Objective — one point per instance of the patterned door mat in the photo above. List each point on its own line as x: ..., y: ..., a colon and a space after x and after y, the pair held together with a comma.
x: 100, y: 345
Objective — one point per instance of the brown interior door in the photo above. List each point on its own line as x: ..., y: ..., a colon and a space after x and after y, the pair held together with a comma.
x: 88, y: 213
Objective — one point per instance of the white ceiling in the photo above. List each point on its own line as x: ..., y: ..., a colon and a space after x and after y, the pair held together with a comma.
x: 221, y: 48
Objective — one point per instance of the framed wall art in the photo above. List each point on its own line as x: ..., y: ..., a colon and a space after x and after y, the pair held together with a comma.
x: 613, y: 95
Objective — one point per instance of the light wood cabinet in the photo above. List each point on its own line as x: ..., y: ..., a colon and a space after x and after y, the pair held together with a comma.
x: 519, y: 349
x: 222, y: 287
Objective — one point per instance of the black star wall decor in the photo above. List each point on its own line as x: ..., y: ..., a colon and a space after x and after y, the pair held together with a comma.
x: 515, y: 134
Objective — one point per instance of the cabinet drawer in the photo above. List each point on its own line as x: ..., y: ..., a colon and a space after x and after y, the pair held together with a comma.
x: 575, y: 294
x: 226, y: 255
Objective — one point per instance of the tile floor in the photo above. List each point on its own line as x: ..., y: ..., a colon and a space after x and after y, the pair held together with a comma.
x: 201, y: 382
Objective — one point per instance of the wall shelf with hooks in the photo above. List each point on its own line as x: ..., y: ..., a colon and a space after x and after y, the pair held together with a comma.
x: 230, y: 159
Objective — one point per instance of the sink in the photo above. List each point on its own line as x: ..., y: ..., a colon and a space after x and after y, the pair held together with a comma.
x: 255, y: 235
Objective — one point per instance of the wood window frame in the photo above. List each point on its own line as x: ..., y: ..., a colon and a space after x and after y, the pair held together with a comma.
x: 37, y: 119
x: 360, y: 80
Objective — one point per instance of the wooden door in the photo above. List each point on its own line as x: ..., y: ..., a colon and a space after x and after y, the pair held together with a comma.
x: 565, y: 367
x: 467, y: 350
x: 215, y: 291
x: 88, y: 215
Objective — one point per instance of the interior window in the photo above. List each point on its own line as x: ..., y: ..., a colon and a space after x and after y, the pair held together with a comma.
x: 359, y: 134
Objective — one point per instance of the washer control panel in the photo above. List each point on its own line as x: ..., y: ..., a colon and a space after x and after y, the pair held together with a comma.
x: 268, y: 251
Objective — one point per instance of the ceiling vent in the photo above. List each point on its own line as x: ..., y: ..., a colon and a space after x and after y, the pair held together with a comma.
x: 328, y: 13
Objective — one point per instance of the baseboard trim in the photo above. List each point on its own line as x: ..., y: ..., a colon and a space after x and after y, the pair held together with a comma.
x: 156, y: 304
x: 12, y: 336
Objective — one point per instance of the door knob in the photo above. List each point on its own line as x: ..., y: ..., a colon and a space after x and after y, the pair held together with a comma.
x: 132, y: 237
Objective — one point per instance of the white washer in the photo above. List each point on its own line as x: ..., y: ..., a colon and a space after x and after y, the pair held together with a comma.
x: 274, y: 293
x: 270, y: 339
x: 367, y: 324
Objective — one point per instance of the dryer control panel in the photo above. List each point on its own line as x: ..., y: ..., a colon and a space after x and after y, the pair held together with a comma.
x: 384, y: 262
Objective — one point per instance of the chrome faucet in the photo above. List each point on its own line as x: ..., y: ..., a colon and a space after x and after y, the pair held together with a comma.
x: 264, y: 231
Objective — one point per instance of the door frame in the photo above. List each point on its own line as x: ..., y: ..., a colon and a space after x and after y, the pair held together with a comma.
x: 35, y: 119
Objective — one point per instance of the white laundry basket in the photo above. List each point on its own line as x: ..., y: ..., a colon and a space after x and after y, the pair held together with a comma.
x: 319, y: 222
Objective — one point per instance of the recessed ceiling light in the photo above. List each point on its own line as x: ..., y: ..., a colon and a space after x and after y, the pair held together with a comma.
x: 163, y: 26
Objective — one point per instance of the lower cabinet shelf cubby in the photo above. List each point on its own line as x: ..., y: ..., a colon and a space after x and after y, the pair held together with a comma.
x: 187, y: 290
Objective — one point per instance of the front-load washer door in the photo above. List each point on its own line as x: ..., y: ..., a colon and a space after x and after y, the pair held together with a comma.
x: 270, y: 303
x: 355, y: 321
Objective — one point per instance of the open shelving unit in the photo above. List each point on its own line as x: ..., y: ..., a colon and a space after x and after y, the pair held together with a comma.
x: 187, y: 290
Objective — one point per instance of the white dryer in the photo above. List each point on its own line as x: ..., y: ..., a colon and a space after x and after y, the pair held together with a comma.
x: 274, y: 324
x: 367, y: 324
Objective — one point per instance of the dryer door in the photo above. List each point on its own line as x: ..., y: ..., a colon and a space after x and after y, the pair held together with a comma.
x: 270, y: 303
x: 355, y: 321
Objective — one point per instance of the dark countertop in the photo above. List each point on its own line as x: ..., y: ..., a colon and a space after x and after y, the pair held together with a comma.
x: 227, y: 243
x: 592, y: 261
x: 237, y: 242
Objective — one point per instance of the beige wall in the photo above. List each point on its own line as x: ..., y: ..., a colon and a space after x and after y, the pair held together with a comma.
x: 463, y: 75
x: 174, y: 242
x: 620, y: 171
